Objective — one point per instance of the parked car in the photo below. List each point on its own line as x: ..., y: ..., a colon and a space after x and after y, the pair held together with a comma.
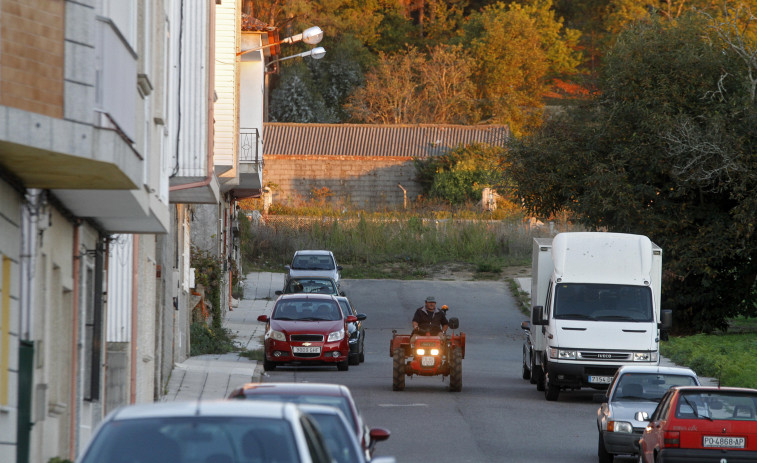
x: 209, y: 431
x: 334, y: 395
x: 340, y: 439
x: 702, y: 423
x: 314, y: 263
x: 306, y: 329
x: 356, y: 331
x: 633, y: 388
x: 310, y: 285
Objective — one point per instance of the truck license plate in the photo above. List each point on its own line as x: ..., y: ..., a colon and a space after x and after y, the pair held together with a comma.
x: 723, y: 442
x: 600, y: 379
x: 306, y: 350
x: 427, y: 361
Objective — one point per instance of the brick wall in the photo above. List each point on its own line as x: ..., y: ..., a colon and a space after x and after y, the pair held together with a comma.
x: 366, y: 181
x: 31, y: 55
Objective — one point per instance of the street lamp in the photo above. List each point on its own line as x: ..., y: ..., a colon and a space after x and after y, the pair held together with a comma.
x: 311, y: 36
x: 315, y: 53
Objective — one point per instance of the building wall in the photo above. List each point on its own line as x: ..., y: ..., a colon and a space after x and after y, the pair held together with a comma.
x: 225, y: 111
x: 358, y: 180
x: 10, y: 239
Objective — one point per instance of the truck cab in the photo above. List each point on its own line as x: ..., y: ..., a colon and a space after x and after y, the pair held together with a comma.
x: 595, y: 307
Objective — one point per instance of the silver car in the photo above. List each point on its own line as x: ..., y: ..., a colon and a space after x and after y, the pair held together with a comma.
x: 207, y: 432
x: 633, y: 388
x: 310, y: 262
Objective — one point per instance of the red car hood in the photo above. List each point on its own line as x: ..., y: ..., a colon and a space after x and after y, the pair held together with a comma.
x: 310, y: 327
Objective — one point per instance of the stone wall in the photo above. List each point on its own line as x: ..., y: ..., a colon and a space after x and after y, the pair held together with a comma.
x: 365, y: 181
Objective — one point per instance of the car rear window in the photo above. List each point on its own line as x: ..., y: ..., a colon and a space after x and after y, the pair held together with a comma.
x: 717, y: 405
x: 649, y: 386
x: 313, y: 262
x: 183, y: 439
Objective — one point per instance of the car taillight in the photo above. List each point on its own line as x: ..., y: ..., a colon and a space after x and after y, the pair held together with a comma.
x: 672, y: 439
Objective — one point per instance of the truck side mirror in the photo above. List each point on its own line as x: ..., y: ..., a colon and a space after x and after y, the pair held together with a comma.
x: 666, y: 320
x: 454, y: 323
x: 525, y: 326
x: 537, y: 315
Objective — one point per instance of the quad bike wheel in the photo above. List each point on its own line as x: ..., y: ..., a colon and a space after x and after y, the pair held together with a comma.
x: 398, y: 370
x: 456, y: 370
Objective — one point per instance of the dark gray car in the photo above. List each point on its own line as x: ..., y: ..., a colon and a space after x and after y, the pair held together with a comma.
x: 356, y: 331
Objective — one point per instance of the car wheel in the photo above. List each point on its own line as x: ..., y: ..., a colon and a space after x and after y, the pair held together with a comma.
x: 602, y: 454
x: 551, y: 390
x: 526, y: 373
x: 343, y: 366
x: 354, y: 359
x: 268, y: 365
x: 456, y: 370
x: 362, y: 351
x: 398, y: 370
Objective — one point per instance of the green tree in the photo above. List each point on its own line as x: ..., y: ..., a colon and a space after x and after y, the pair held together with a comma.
x: 624, y: 162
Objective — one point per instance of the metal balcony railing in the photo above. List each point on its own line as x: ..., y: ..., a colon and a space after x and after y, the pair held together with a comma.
x: 248, y: 146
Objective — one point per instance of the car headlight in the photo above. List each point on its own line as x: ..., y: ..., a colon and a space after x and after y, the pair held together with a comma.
x: 642, y: 357
x: 336, y: 336
x: 619, y: 426
x: 562, y: 354
x: 276, y: 335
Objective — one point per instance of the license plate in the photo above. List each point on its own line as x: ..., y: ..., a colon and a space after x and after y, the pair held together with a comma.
x: 724, y: 442
x: 428, y: 361
x: 600, y: 379
x: 306, y: 350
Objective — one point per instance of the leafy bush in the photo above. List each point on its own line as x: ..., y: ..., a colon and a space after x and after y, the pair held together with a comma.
x: 209, y: 340
x: 730, y: 357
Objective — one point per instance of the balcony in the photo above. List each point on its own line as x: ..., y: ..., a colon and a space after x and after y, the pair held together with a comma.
x: 250, y: 163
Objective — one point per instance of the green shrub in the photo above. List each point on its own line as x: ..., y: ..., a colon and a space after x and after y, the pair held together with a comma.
x: 730, y: 357
x: 209, y: 340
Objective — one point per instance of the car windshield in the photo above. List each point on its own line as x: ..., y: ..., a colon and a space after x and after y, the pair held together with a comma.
x: 332, y: 401
x: 311, y: 285
x: 625, y: 303
x: 717, y: 405
x: 648, y: 386
x: 292, y: 309
x: 194, y: 439
x: 313, y: 262
x: 337, y: 437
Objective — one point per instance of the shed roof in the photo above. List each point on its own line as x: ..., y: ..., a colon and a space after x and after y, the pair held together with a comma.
x: 375, y: 140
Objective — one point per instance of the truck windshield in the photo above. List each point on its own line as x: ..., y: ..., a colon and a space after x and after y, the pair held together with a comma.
x: 583, y: 301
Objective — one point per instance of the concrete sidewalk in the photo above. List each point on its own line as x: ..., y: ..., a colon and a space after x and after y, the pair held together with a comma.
x: 214, y: 376
x: 524, y: 284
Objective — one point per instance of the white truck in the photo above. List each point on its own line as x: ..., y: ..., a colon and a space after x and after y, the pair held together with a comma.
x: 595, y: 306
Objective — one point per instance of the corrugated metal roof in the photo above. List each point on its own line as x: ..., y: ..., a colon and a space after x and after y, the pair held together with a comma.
x: 375, y: 140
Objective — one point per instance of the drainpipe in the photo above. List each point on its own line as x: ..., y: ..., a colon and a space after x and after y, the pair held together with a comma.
x: 134, y: 318
x: 211, y: 100
x: 73, y: 404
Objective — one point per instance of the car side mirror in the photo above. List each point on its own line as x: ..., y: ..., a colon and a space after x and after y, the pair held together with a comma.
x: 278, y: 293
x: 339, y: 267
x: 361, y: 316
x: 454, y: 323
x: 537, y: 315
x: 351, y: 319
x: 525, y: 326
x: 263, y: 318
x: 342, y: 293
x: 379, y: 434
x: 641, y: 416
x: 288, y: 267
x: 666, y: 320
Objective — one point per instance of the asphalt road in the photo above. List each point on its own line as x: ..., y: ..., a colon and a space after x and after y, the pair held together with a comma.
x: 497, y: 417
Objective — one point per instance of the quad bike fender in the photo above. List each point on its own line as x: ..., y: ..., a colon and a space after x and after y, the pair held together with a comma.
x: 458, y: 340
x: 398, y: 341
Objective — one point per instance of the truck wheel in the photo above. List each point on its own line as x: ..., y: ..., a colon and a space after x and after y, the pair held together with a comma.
x: 535, y: 372
x: 526, y: 373
x: 456, y: 370
x: 539, y: 373
x: 268, y: 366
x: 398, y: 370
x: 343, y: 366
x: 551, y: 390
x: 602, y: 454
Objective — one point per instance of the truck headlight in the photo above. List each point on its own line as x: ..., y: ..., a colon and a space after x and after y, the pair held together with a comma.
x: 619, y: 426
x: 336, y: 336
x: 642, y: 357
x: 276, y: 335
x: 563, y: 354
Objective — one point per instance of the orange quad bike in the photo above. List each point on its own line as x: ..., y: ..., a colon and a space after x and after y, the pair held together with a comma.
x: 428, y: 355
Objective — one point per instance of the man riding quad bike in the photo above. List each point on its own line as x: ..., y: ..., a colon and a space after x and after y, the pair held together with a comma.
x: 428, y: 351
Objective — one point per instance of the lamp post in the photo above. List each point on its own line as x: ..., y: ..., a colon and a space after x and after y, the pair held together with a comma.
x: 311, y: 36
x: 315, y: 53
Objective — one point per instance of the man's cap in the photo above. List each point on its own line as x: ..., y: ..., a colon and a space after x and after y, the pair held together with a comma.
x: 430, y: 299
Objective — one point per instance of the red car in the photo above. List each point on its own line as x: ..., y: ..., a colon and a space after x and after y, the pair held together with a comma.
x: 702, y: 424
x: 334, y: 395
x: 306, y: 329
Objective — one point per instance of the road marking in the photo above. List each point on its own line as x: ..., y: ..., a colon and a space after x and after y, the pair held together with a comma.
x: 403, y: 405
